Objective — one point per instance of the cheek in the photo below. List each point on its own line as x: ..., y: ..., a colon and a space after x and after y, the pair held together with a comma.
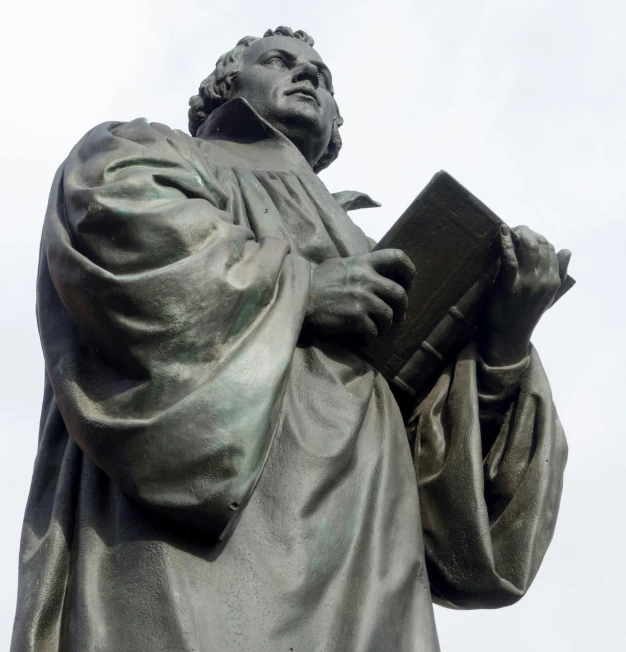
x: 329, y: 114
x: 260, y: 81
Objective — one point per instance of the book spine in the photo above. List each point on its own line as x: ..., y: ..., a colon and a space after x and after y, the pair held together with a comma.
x: 432, y: 353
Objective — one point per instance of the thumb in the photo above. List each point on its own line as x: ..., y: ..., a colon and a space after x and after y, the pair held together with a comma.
x: 563, y: 257
x: 508, y: 270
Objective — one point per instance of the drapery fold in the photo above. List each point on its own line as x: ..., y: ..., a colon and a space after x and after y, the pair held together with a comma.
x: 205, y: 481
x: 489, y: 455
x: 173, y: 328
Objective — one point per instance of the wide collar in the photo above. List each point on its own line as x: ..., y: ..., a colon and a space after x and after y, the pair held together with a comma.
x: 243, y: 138
x: 240, y: 137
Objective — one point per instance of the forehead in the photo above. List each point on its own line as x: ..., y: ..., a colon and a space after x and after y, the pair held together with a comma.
x: 292, y: 45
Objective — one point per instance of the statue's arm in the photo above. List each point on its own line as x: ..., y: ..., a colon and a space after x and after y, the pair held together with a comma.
x: 490, y: 453
x: 167, y: 329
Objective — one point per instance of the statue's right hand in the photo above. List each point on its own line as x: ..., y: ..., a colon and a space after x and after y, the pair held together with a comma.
x: 360, y: 295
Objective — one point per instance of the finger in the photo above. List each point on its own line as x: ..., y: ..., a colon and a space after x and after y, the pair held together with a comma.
x: 394, y: 295
x: 527, y: 248
x: 393, y: 264
x: 563, y: 257
x: 508, y: 270
x: 379, y: 313
x: 365, y: 327
x: 554, y: 262
x: 545, y: 257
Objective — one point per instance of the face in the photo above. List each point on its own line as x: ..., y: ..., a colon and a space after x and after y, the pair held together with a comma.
x: 288, y: 84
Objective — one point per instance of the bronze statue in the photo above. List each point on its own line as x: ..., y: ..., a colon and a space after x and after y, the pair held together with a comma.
x: 217, y: 470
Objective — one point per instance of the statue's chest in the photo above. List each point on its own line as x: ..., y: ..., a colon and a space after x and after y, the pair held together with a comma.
x: 294, y: 207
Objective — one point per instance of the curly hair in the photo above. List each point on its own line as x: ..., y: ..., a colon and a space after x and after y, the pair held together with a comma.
x: 215, y: 90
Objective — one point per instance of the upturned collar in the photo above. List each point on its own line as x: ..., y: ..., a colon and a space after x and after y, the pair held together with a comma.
x: 249, y: 140
x: 240, y: 137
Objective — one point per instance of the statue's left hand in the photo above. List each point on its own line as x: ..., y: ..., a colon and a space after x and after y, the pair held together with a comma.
x: 530, y: 275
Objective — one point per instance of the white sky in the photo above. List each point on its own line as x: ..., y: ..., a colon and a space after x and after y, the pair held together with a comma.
x: 523, y: 102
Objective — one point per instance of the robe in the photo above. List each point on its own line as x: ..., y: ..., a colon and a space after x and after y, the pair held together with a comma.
x: 205, y: 480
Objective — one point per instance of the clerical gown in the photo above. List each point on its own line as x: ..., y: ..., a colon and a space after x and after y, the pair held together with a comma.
x: 205, y: 480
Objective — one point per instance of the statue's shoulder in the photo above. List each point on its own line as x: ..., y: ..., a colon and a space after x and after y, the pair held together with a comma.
x: 135, y: 137
x: 139, y: 129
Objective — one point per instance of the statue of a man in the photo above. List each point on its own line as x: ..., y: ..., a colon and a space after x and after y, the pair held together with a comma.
x: 214, y: 471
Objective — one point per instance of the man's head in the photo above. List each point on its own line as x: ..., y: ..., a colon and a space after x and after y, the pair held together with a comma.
x: 286, y: 82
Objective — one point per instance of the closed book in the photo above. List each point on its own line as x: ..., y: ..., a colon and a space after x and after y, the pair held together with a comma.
x: 452, y: 239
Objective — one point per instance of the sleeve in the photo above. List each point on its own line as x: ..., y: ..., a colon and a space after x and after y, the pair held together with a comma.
x: 489, y: 456
x: 167, y: 329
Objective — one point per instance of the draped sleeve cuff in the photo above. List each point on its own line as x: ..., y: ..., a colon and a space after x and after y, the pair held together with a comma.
x: 500, y: 383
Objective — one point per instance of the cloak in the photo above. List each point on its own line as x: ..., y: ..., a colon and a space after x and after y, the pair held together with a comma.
x: 206, y: 481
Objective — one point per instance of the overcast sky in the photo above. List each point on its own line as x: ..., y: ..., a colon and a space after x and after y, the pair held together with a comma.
x: 524, y: 102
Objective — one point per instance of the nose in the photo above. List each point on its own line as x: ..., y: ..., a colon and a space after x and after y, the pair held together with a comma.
x: 306, y: 72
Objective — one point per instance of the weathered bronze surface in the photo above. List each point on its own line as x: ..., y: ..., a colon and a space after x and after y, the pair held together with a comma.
x: 216, y: 470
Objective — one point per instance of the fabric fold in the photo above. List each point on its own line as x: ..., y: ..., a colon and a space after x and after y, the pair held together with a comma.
x: 161, y: 345
x: 489, y: 470
x: 206, y: 480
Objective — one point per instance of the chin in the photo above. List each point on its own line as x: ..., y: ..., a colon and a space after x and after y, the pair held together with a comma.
x: 302, y: 110
x: 304, y: 116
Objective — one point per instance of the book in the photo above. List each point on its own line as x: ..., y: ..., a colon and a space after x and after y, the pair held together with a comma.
x: 452, y: 239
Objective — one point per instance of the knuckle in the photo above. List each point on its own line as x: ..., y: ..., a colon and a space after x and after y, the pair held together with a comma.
x: 353, y: 296
x: 543, y: 255
x: 400, y: 257
x: 509, y: 247
x: 526, y: 235
x: 524, y: 282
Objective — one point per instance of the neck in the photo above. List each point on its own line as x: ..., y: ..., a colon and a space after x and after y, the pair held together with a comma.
x: 309, y: 145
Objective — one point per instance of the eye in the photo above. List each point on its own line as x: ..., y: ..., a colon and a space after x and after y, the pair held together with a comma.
x: 275, y: 62
x: 325, y: 80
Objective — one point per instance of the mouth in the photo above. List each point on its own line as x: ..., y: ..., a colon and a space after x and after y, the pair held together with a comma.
x: 305, y: 93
